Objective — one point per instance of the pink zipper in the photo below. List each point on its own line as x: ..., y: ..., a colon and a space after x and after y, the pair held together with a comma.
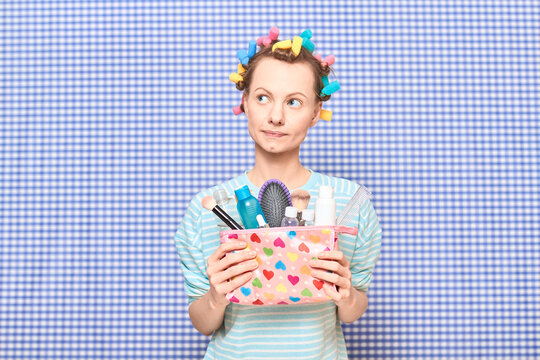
x: 338, y: 228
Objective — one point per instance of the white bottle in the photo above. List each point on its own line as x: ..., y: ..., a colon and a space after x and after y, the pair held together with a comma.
x: 308, y: 216
x: 325, y: 207
x: 261, y: 222
x: 290, y: 217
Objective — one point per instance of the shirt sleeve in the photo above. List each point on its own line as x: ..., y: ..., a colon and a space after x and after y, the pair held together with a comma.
x: 368, y: 247
x: 188, y: 245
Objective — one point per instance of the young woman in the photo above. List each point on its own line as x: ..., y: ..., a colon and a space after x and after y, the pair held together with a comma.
x: 282, y: 100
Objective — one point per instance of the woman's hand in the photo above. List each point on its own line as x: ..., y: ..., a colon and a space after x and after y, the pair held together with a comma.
x: 228, y: 272
x: 332, y: 267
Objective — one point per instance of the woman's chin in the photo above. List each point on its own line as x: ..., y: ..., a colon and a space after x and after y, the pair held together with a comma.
x: 278, y: 150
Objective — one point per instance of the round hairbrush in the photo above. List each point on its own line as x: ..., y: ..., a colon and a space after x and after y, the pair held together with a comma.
x: 274, y: 197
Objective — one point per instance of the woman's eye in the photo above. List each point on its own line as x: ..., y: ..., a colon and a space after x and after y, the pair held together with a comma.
x: 295, y: 102
x: 259, y: 98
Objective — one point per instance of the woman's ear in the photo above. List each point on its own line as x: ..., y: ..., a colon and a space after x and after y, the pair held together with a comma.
x: 317, y: 114
x: 244, y: 102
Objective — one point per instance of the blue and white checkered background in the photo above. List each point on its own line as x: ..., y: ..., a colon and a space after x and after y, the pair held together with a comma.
x: 114, y: 114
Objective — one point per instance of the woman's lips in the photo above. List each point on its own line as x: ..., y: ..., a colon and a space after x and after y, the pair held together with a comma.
x: 274, y: 134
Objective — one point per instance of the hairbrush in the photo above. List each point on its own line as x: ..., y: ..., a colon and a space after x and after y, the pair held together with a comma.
x: 274, y: 197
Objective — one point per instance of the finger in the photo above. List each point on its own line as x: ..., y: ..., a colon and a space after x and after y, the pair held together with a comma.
x: 330, y: 291
x: 225, y: 248
x: 332, y: 278
x: 333, y: 293
x: 239, y: 269
x: 239, y: 281
x: 329, y: 265
x: 334, y: 255
x: 216, y: 271
x: 236, y: 258
x: 230, y: 273
x: 234, y: 284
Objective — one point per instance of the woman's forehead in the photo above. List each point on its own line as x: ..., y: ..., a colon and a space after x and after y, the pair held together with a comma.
x: 273, y: 74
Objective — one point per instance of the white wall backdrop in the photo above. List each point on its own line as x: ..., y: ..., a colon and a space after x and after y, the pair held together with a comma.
x: 114, y: 114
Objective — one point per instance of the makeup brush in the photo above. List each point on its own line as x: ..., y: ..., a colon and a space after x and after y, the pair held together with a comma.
x: 209, y: 203
x: 300, y: 200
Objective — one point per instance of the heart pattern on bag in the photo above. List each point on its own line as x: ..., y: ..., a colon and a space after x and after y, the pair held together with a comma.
x: 255, y: 238
x: 268, y: 274
x: 283, y: 275
x: 293, y: 279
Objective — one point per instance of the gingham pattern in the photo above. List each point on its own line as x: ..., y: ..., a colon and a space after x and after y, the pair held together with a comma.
x: 115, y: 114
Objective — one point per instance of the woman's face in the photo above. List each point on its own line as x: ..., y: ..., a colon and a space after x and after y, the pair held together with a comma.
x: 281, y: 105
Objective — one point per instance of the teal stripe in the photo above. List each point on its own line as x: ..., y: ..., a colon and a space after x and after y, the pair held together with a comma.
x: 265, y: 348
x: 291, y: 337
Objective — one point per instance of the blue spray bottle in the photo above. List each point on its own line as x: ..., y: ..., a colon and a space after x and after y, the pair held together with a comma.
x: 248, y: 207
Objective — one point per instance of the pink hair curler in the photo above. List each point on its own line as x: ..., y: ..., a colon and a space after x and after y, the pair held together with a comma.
x: 329, y: 60
x: 274, y: 33
x: 267, y: 41
x: 237, y: 110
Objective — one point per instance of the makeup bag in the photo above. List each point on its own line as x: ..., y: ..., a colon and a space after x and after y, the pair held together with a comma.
x: 283, y: 276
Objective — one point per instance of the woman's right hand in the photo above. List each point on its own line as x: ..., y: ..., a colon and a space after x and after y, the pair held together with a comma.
x: 228, y: 271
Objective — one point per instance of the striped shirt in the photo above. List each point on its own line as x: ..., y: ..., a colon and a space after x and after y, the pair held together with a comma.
x: 304, y: 331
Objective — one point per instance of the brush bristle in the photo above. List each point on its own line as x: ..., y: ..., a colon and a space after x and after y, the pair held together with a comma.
x: 300, y: 199
x: 208, y: 203
x: 274, y: 197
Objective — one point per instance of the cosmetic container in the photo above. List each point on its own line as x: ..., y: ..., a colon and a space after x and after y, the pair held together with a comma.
x: 308, y: 216
x: 290, y: 217
x: 248, y: 207
x: 325, y: 206
x: 262, y: 223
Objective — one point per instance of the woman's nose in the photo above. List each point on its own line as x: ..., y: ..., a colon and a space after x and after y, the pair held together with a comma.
x: 276, y: 116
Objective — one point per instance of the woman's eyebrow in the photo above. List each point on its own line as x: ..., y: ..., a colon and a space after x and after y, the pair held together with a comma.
x: 297, y: 92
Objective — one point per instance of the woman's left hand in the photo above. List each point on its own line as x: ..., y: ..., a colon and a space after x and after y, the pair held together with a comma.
x: 339, y: 275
